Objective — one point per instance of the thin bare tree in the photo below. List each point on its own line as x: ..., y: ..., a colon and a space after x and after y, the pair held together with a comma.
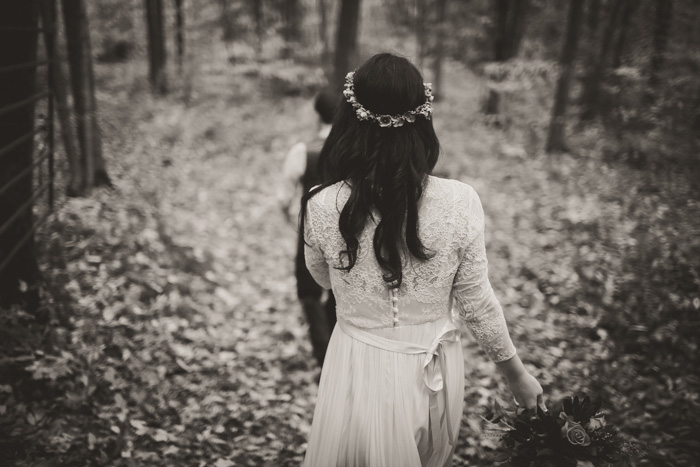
x: 556, y: 138
x: 662, y: 26
x: 156, y: 46
x: 509, y: 27
x: 180, y: 32
x: 259, y: 19
x: 421, y: 27
x: 226, y: 20
x: 346, y: 40
x: 323, y: 31
x: 439, y: 47
x: 59, y: 90
x: 598, y: 64
x: 626, y: 18
x: 83, y: 87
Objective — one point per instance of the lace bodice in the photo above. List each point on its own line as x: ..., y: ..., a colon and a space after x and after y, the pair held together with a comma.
x: 451, y: 225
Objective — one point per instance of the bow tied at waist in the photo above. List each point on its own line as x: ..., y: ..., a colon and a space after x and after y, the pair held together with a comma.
x: 433, y: 372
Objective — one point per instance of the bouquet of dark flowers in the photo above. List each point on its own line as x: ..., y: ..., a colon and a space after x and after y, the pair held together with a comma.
x: 574, y: 433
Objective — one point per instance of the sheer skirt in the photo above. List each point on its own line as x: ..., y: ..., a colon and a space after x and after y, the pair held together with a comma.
x: 374, y: 405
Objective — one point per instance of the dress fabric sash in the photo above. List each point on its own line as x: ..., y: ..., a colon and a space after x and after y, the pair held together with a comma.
x: 433, y: 373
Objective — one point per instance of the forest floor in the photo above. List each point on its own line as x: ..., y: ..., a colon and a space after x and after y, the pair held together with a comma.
x: 176, y: 337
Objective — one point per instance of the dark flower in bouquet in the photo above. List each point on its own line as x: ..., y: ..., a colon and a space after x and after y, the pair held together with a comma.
x: 574, y: 433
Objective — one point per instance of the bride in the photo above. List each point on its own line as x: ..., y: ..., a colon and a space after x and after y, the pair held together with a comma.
x: 400, y: 249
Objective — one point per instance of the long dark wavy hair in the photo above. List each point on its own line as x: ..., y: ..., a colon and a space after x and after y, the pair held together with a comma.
x: 385, y: 168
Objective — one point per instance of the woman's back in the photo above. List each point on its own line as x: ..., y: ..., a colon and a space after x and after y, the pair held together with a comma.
x: 450, y: 219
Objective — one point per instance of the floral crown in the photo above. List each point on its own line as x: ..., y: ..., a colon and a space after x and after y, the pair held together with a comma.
x: 425, y: 109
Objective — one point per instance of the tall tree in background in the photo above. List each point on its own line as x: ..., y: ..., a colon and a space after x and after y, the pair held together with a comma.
x: 592, y: 17
x: 156, y: 46
x: 18, y: 42
x: 179, y: 32
x: 590, y: 95
x: 59, y: 89
x: 630, y: 6
x: 439, y: 47
x: 229, y: 31
x: 556, y: 140
x: 509, y: 27
x: 346, y: 40
x: 83, y: 86
x: 508, y: 31
x: 259, y: 19
x: 421, y: 19
x: 323, y: 31
x: 291, y: 29
x: 662, y: 25
x: 402, y: 12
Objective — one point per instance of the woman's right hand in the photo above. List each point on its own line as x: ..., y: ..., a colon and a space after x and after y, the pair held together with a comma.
x: 525, y: 387
x: 527, y: 391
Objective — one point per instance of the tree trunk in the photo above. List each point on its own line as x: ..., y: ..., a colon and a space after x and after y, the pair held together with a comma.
x: 101, y: 176
x: 229, y: 33
x: 179, y: 33
x: 156, y: 46
x: 258, y: 15
x: 556, y: 140
x: 590, y: 53
x: 59, y: 89
x: 75, y: 31
x: 627, y: 13
x: 439, y: 51
x: 83, y: 86
x: 18, y: 42
x: 346, y: 40
x: 664, y: 15
x: 509, y: 27
x: 291, y: 30
x: 292, y: 17
x: 592, y: 20
x: 591, y: 88
x: 323, y: 31
x: 403, y: 11
x: 420, y: 24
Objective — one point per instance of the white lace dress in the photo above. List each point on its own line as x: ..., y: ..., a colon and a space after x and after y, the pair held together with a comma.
x: 392, y: 385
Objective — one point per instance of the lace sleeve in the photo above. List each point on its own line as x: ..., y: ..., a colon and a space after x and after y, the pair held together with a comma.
x: 315, y: 260
x: 474, y: 297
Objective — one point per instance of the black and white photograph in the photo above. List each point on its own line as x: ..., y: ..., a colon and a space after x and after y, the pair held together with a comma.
x: 349, y: 233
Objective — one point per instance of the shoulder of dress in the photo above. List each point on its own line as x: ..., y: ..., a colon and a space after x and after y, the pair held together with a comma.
x: 329, y: 195
x: 464, y: 188
x: 461, y: 191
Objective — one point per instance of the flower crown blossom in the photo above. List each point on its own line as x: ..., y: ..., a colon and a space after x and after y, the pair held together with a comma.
x: 425, y: 109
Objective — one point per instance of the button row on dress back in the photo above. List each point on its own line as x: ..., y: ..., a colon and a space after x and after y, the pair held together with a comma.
x: 394, y: 304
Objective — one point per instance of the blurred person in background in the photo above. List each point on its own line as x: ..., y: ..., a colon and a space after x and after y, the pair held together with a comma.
x: 300, y: 175
x: 392, y: 389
